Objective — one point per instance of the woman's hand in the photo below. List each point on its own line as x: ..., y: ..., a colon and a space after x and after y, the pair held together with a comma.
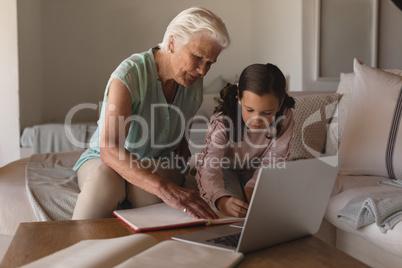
x: 181, y: 198
x: 231, y: 206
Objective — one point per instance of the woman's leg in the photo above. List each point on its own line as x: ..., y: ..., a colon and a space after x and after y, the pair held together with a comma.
x: 140, y: 198
x: 102, y: 190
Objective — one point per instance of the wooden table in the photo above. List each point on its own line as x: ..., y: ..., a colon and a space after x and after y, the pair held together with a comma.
x: 38, y: 239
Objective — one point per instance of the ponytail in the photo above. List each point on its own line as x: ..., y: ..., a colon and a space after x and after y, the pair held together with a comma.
x: 228, y: 100
x: 288, y: 103
x: 228, y: 106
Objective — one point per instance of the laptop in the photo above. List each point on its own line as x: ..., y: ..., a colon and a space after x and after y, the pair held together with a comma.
x: 288, y: 202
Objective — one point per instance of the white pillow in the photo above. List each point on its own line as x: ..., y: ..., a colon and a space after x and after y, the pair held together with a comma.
x: 372, y: 139
x: 345, y: 88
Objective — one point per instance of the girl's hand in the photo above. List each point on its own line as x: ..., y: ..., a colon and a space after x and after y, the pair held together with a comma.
x: 231, y: 206
x: 184, y: 199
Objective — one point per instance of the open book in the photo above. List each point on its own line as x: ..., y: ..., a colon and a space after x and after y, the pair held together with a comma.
x: 137, y: 250
x: 161, y: 216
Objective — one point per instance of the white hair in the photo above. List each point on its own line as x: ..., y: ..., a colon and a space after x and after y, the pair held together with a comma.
x: 192, y: 21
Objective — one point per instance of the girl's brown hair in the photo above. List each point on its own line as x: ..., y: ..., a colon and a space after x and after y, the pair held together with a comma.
x: 260, y: 79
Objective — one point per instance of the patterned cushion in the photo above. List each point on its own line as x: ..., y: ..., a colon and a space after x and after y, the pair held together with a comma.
x: 312, y: 113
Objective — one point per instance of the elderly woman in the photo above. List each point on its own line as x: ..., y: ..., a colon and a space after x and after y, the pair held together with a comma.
x: 147, y: 101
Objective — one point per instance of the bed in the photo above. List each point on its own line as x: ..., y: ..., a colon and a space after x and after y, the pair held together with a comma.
x: 47, y: 148
x: 16, y: 197
x: 19, y: 201
x: 50, y: 142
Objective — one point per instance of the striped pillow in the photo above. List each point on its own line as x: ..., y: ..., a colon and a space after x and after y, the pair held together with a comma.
x: 372, y: 139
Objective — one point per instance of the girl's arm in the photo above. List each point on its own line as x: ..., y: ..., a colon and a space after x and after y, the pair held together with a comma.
x: 209, y: 175
x: 209, y: 172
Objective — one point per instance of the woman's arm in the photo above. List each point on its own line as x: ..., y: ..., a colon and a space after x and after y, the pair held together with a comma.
x: 114, y: 155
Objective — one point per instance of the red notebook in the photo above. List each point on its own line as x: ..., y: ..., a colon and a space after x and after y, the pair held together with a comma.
x: 161, y: 216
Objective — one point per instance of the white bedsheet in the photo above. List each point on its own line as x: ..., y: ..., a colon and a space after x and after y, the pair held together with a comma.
x: 52, y: 185
x: 46, y: 138
x: 15, y: 206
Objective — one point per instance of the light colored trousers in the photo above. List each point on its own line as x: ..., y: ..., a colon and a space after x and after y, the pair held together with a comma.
x: 103, y: 189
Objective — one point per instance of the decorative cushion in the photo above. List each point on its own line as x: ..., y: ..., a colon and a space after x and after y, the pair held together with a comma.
x: 312, y: 113
x: 345, y: 88
x: 372, y: 139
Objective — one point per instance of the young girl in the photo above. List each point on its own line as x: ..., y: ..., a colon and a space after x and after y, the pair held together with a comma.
x: 251, y: 127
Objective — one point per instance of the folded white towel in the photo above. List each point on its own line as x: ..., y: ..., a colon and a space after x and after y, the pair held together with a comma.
x: 383, y: 208
x: 390, y: 182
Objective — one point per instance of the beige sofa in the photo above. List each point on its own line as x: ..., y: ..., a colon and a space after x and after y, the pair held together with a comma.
x: 370, y: 140
x: 313, y: 113
x: 360, y: 172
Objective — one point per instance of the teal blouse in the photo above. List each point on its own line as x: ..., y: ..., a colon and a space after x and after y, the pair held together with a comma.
x: 156, y: 128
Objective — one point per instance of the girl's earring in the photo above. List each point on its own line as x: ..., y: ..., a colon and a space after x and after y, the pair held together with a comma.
x: 169, y: 51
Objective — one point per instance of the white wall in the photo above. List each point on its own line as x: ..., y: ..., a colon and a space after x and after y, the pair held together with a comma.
x: 31, y: 62
x: 9, y: 103
x: 388, y: 51
x: 276, y: 28
x: 390, y: 36
x: 79, y: 43
x: 69, y: 48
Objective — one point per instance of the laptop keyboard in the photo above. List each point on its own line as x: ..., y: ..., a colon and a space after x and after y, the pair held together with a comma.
x: 228, y: 240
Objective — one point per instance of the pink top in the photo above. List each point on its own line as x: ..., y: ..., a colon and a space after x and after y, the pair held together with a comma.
x: 254, y: 151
